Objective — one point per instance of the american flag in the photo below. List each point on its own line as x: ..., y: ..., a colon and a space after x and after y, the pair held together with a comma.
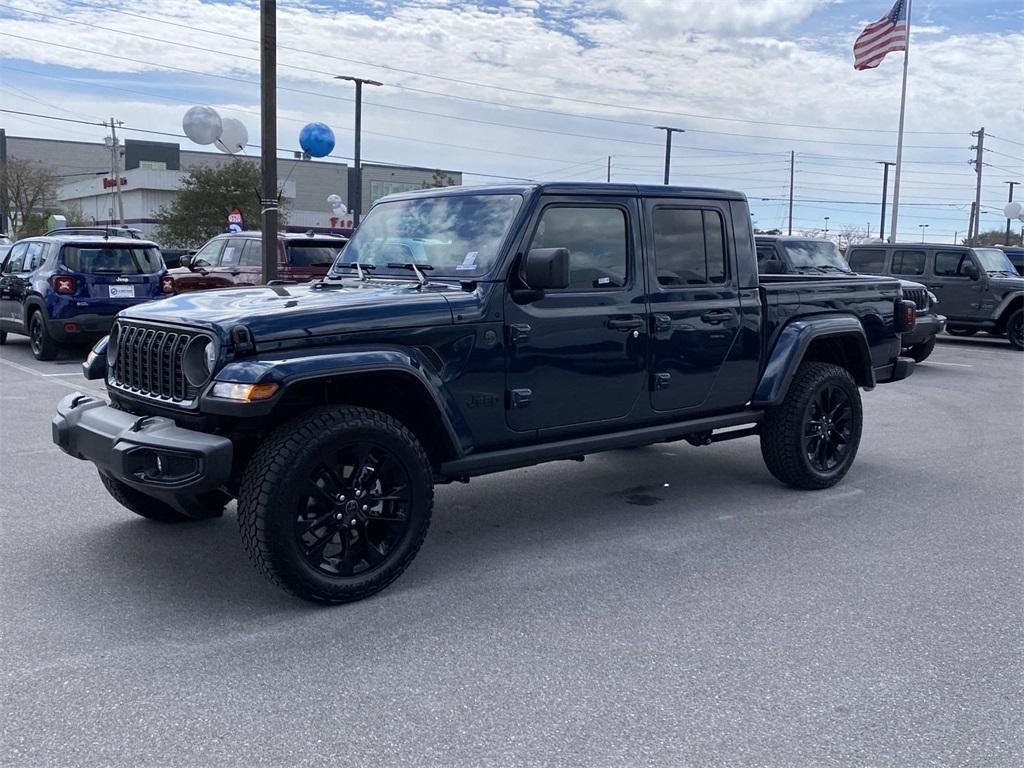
x: 887, y: 34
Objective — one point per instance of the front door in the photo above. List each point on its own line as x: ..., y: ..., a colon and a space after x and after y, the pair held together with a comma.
x: 694, y: 298
x: 959, y: 295
x: 579, y: 355
x: 12, y: 288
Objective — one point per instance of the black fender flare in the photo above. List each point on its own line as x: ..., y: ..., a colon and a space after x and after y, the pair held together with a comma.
x: 791, y: 348
x: 32, y: 302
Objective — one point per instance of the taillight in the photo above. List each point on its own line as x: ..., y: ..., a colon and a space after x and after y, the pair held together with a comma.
x: 63, y: 284
x: 906, y: 316
x: 167, y: 284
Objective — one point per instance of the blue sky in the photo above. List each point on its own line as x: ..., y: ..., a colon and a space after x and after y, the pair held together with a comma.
x: 551, y: 89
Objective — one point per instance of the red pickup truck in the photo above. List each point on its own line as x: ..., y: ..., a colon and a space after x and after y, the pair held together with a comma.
x: 235, y: 258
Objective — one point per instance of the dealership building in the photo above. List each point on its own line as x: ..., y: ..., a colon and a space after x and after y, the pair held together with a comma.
x: 153, y: 171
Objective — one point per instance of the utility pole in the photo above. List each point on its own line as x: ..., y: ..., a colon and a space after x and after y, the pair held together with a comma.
x: 115, y: 167
x: 269, y: 201
x: 1009, y: 200
x: 668, y: 145
x: 357, y: 190
x: 970, y: 224
x: 978, y: 164
x: 4, y: 211
x: 885, y: 192
x: 609, y: 178
x: 792, y: 167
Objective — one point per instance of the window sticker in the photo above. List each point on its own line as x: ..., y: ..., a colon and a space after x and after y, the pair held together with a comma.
x: 469, y: 261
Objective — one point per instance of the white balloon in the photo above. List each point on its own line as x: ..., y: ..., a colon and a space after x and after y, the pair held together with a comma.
x: 233, y: 136
x: 1013, y: 210
x: 334, y: 200
x: 202, y: 125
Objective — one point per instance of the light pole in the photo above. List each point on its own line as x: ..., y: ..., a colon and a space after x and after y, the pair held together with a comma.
x: 826, y: 225
x: 356, y: 193
x: 923, y: 228
x: 668, y: 145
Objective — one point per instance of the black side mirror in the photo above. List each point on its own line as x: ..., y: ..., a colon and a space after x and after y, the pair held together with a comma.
x: 546, y: 268
x: 772, y: 267
x: 971, y: 271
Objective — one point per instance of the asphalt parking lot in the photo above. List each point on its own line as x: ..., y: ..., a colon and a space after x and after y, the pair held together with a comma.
x: 666, y: 606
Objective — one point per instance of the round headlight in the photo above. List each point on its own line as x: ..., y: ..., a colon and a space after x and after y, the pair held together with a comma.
x: 112, y: 340
x: 199, y: 360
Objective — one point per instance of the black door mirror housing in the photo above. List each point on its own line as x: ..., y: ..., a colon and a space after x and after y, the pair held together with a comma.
x: 773, y: 267
x: 971, y: 271
x: 546, y: 268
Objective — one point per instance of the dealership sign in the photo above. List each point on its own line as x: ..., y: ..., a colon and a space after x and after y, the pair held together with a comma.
x: 235, y: 221
x: 108, y: 182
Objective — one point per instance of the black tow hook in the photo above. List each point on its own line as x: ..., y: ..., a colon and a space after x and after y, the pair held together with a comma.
x: 140, y: 423
x: 78, y: 400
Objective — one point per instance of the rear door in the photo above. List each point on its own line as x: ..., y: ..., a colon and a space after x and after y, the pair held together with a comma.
x: 250, y: 265
x: 694, y: 299
x: 579, y: 355
x: 228, y: 269
x: 959, y: 295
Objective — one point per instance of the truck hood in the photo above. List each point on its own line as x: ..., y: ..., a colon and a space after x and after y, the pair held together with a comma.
x: 1007, y: 284
x: 276, y: 313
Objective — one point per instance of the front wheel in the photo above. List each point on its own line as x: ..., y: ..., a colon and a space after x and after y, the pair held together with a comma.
x: 920, y: 352
x: 811, y: 439
x: 336, y: 503
x: 1015, y: 329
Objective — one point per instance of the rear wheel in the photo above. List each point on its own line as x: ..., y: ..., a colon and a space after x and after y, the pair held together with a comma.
x: 811, y: 439
x: 921, y: 351
x: 1015, y: 329
x: 42, y: 343
x: 336, y: 503
x: 961, y: 331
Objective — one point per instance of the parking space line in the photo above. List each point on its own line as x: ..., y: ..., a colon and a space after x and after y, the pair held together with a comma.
x: 38, y: 375
x: 955, y: 365
x: 75, y: 373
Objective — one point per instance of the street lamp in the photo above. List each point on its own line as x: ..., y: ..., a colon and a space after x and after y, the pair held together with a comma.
x: 923, y: 228
x: 826, y: 225
x: 668, y: 144
x: 356, y: 194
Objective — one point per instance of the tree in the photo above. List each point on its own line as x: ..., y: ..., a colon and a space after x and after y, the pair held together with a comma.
x: 25, y: 185
x: 991, y: 237
x: 439, y: 179
x: 200, y: 210
x: 767, y: 231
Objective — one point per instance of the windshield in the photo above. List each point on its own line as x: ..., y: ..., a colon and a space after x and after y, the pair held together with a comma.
x: 994, y: 260
x: 814, y: 253
x: 312, y: 254
x: 113, y: 260
x: 457, y: 235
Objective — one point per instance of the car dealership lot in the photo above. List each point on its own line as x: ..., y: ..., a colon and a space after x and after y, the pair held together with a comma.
x: 669, y: 605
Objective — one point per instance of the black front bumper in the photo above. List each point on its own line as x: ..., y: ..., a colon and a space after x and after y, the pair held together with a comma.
x: 149, y: 453
x: 925, y: 327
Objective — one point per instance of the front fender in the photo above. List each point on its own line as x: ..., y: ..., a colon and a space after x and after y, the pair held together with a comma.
x: 1008, y: 299
x: 289, y: 369
x: 792, y: 346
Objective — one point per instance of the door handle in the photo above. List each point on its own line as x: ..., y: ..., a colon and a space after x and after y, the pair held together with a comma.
x: 662, y: 322
x: 716, y: 316
x: 624, y: 324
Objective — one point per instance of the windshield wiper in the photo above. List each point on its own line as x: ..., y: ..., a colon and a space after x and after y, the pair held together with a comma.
x: 837, y: 269
x: 360, y: 267
x: 415, y: 268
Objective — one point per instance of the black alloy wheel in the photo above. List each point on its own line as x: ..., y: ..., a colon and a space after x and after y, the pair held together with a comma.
x: 42, y: 344
x: 353, y: 510
x: 828, y: 428
x: 1015, y: 329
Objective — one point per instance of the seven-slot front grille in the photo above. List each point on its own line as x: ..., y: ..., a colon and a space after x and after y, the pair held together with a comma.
x: 918, y: 296
x: 149, y: 362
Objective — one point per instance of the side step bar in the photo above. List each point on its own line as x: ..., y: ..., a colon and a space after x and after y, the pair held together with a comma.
x: 498, y: 461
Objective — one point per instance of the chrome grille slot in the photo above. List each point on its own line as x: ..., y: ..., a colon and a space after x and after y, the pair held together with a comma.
x: 149, y: 363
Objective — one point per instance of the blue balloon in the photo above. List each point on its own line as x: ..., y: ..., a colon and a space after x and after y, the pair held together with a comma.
x: 316, y: 139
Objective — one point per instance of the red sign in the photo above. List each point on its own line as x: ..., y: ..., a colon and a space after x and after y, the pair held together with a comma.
x: 108, y: 182
x: 235, y: 217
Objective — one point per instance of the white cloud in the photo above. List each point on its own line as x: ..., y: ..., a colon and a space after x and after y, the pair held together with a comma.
x: 730, y: 17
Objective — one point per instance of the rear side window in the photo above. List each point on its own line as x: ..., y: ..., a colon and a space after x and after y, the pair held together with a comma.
x: 232, y: 252
x: 311, y: 254
x: 908, y: 263
x: 951, y: 263
x: 689, y: 246
x: 596, y: 240
x: 765, y: 253
x: 112, y: 260
x: 868, y: 261
x: 252, y: 254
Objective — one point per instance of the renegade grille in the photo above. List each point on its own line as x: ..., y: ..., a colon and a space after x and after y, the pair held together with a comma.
x: 149, y: 363
x: 918, y: 296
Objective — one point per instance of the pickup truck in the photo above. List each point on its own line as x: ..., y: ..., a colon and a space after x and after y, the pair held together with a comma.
x: 466, y: 331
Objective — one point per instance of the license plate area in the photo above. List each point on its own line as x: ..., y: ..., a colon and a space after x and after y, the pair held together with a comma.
x: 121, y: 291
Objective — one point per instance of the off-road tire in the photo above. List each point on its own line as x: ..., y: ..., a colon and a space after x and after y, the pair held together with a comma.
x: 3, y: 338
x: 783, y: 428
x: 42, y: 343
x: 270, y: 494
x: 141, y: 504
x: 1015, y: 329
x: 961, y: 331
x: 921, y: 351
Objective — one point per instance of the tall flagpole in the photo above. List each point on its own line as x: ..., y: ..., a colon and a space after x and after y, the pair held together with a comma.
x: 899, y: 140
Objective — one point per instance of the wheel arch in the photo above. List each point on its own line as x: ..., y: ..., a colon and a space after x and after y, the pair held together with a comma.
x: 1007, y: 307
x: 836, y: 339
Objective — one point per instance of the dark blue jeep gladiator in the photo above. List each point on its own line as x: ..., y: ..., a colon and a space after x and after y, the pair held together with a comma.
x: 466, y: 331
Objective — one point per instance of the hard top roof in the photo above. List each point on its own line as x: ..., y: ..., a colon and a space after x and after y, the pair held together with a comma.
x: 575, y: 188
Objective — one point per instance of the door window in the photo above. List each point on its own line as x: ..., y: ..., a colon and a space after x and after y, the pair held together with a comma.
x: 951, y: 263
x: 868, y: 261
x: 232, y: 253
x: 16, y: 259
x: 208, y: 255
x: 252, y: 254
x: 908, y: 263
x: 689, y: 246
x: 596, y: 240
x: 764, y: 253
